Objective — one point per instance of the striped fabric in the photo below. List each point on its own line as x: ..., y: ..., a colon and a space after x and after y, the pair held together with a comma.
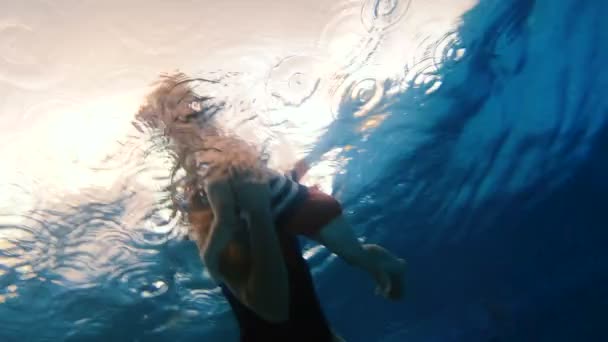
x: 285, y: 193
x: 283, y: 190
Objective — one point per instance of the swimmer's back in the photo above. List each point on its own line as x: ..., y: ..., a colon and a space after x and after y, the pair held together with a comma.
x: 306, y: 320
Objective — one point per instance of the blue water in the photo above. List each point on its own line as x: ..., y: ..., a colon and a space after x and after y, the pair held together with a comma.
x: 492, y: 187
x: 491, y: 184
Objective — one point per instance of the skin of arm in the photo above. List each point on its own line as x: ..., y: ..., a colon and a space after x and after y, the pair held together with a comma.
x: 222, y: 228
x: 299, y: 170
x: 268, y: 285
x: 265, y: 289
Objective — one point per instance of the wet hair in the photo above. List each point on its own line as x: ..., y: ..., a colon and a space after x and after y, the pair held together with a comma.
x: 188, y: 122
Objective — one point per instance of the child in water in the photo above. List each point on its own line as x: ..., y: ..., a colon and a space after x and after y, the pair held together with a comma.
x: 233, y: 195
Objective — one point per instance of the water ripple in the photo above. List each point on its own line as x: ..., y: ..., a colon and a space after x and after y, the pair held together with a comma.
x: 294, y: 80
x: 436, y: 55
x: 359, y: 94
x: 382, y: 14
x: 150, y: 34
x: 114, y: 248
x: 20, y: 65
x: 342, y: 34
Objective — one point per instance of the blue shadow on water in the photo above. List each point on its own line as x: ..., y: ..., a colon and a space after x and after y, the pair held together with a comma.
x: 498, y: 199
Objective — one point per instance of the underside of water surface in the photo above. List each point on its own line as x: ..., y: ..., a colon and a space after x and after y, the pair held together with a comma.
x: 468, y: 137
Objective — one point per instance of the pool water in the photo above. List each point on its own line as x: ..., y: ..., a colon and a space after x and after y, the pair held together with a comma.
x: 468, y: 137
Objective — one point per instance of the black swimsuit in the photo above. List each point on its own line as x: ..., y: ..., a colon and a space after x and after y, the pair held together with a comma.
x: 306, y: 321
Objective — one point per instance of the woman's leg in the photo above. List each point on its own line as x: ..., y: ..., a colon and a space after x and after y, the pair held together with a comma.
x: 339, y: 237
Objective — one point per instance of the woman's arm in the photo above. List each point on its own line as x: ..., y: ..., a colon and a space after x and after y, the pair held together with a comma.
x: 220, y: 236
x: 222, y: 228
x: 299, y: 170
x: 265, y: 290
x: 267, y: 284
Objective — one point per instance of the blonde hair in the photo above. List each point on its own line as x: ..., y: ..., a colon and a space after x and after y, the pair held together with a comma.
x: 198, y: 145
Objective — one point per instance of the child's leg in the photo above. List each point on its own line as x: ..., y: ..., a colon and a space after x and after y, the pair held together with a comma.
x: 339, y: 237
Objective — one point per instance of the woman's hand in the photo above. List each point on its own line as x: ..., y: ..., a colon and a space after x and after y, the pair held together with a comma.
x: 300, y: 169
x: 252, y: 192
